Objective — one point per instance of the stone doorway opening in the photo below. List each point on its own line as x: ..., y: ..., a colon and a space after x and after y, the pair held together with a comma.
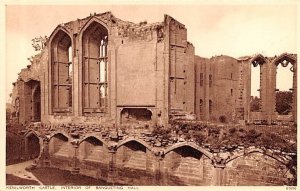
x: 32, y: 145
x: 36, y: 103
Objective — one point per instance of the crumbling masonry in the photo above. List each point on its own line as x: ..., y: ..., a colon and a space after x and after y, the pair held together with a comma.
x: 98, y: 74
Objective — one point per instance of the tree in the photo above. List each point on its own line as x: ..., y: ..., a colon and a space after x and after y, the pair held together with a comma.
x: 38, y: 43
x: 284, y: 100
x: 254, y: 104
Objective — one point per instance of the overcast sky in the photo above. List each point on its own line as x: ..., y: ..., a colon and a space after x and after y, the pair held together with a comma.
x: 234, y: 30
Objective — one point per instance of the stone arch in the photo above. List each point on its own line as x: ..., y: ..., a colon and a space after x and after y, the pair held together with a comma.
x: 185, y: 164
x: 291, y: 58
x: 56, y: 30
x: 133, y: 154
x: 256, y: 167
x: 62, y: 133
x: 91, y: 148
x: 33, y: 144
x: 258, y: 60
x: 59, y: 144
x: 192, y: 145
x: 146, y: 145
x: 89, y: 22
x: 60, y: 96
x: 255, y: 150
x: 285, y: 60
x: 95, y: 136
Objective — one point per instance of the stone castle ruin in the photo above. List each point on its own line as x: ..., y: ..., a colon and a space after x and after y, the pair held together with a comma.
x: 100, y: 86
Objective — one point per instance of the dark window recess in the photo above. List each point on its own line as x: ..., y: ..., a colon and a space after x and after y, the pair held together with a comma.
x: 210, y: 106
x: 135, y: 115
x: 201, y: 79
x: 201, y: 106
x: 210, y: 80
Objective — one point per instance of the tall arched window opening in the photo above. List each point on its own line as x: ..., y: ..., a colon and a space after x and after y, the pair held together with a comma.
x: 95, y: 40
x: 284, y: 85
x: 61, y: 68
x: 255, y: 80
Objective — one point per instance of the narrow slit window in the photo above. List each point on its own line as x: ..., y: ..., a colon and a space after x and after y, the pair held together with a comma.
x: 210, y: 80
x: 201, y: 79
x: 210, y: 106
x: 70, y: 69
x: 201, y: 106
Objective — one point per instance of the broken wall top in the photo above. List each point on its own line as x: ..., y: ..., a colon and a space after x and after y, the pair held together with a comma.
x: 36, y: 68
x: 124, y: 28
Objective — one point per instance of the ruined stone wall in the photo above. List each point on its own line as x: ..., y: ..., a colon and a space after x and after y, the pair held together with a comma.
x: 164, y: 82
x: 27, y: 82
x: 181, y: 69
x: 244, y: 91
x: 132, y: 82
x: 256, y: 169
x: 185, y: 166
x: 15, y: 102
x: 88, y: 159
x: 134, y: 164
x: 224, y: 88
x: 130, y: 160
x: 140, y: 82
x: 220, y: 88
x: 201, y: 88
x: 190, y: 79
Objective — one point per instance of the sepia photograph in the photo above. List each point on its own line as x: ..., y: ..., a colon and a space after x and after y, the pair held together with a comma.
x: 156, y: 94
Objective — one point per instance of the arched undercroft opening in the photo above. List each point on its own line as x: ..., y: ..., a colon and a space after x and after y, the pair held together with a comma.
x: 61, y: 70
x: 91, y: 149
x: 256, y: 169
x: 132, y: 155
x: 32, y: 146
x: 36, y: 104
x: 58, y: 145
x: 284, y: 87
x: 185, y: 166
x: 133, y: 115
x: 95, y: 61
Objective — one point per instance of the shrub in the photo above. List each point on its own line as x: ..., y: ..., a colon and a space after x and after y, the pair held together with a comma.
x: 222, y: 119
x: 232, y: 130
x: 200, y: 138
